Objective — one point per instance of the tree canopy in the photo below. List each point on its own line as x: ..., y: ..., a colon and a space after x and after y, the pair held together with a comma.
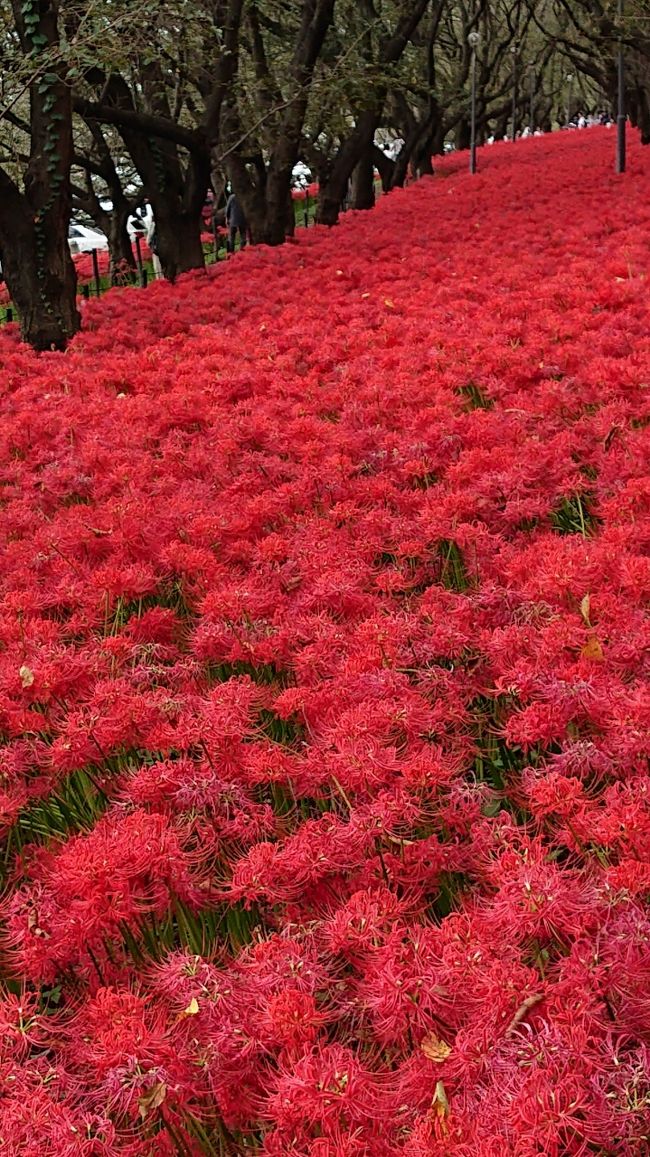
x: 108, y: 103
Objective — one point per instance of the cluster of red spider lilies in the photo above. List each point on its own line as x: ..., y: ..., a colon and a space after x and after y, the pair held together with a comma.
x: 324, y: 656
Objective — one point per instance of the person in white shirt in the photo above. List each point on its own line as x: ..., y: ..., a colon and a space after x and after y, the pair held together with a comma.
x: 152, y: 240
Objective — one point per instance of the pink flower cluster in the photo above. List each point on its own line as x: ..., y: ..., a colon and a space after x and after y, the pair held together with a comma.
x: 324, y: 656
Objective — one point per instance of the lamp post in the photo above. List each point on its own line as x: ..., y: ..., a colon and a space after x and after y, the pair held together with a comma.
x: 473, y: 40
x: 569, y: 78
x: 621, y: 117
x: 531, y: 83
x: 513, y: 50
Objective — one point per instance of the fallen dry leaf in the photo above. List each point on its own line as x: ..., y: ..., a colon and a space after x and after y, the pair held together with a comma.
x: 440, y: 1105
x: 435, y: 1049
x: 152, y: 1099
x: 593, y: 650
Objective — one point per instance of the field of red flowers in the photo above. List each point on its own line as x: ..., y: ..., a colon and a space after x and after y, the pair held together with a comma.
x: 324, y: 656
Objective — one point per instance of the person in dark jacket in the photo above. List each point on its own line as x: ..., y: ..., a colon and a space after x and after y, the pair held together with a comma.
x: 235, y: 222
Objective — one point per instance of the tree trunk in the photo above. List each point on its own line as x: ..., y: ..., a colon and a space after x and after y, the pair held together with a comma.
x: 248, y: 179
x: 218, y: 181
x: 36, y: 257
x: 427, y: 140
x: 501, y: 129
x: 423, y: 149
x: 179, y: 241
x: 402, y: 165
x: 176, y: 192
x: 278, y: 197
x: 112, y: 223
x: 384, y: 166
x: 423, y: 160
x: 264, y: 190
x: 361, y: 139
x: 41, y: 278
x: 265, y: 195
x: 417, y: 151
x: 463, y: 134
x: 120, y: 250
x: 438, y: 142
x: 329, y: 207
x: 642, y: 117
x: 290, y: 227
x: 331, y: 193
x: 363, y: 183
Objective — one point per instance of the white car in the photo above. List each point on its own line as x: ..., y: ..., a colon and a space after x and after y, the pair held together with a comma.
x: 84, y: 240
x: 80, y: 240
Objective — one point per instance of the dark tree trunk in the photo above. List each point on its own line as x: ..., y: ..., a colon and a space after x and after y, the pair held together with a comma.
x: 385, y: 167
x: 290, y: 227
x: 36, y: 258
x: 463, y: 134
x: 248, y: 178
x: 278, y: 196
x: 179, y: 241
x: 175, y: 185
x: 329, y: 207
x: 423, y: 160
x: 264, y: 191
x: 438, y: 142
x: 176, y: 190
x: 360, y: 140
x: 639, y: 104
x: 218, y: 181
x: 122, y: 262
x: 417, y: 151
x: 363, y: 182
x: 112, y: 223
x: 502, y: 128
x: 332, y: 192
x: 41, y: 279
x: 427, y: 139
x: 402, y: 164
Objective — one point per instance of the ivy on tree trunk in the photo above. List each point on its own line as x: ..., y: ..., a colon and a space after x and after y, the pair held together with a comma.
x: 34, y: 219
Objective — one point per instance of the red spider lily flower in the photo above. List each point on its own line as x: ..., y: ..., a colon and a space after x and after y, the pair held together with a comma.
x: 324, y: 657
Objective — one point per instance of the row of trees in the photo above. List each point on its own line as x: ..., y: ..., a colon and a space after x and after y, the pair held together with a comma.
x: 106, y: 102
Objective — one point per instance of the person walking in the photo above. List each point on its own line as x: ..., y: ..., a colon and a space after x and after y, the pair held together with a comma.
x: 235, y: 223
x: 152, y: 241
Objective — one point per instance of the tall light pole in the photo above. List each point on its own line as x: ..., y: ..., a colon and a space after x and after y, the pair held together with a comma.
x: 513, y: 50
x: 569, y: 78
x: 621, y: 117
x: 473, y: 40
x: 531, y: 82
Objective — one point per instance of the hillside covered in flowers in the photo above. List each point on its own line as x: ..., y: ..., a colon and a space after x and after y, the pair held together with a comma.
x: 324, y: 702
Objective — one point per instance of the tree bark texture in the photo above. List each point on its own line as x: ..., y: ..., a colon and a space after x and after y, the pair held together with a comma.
x: 34, y: 221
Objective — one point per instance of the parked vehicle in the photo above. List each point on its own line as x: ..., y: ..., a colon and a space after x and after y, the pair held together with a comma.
x: 84, y: 240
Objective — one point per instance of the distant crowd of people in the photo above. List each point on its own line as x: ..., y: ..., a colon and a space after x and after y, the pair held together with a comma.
x: 588, y: 121
x: 579, y: 120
